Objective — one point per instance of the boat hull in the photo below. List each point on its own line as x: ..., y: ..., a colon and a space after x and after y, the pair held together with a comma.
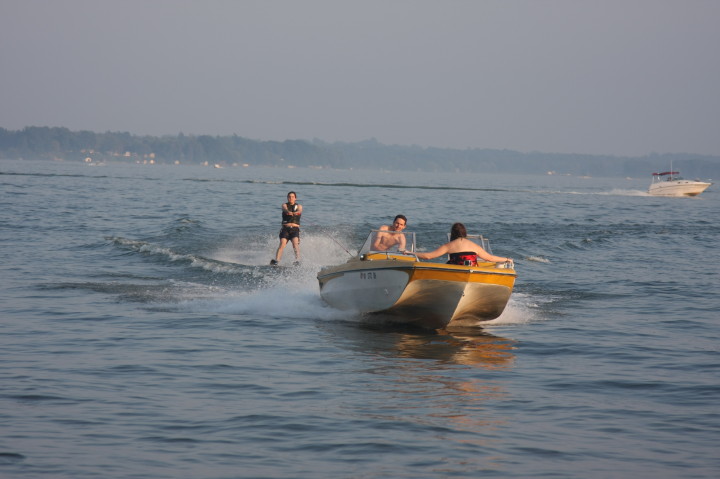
x: 429, y: 295
x: 678, y: 188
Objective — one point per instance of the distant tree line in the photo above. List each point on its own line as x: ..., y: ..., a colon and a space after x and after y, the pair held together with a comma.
x: 47, y: 143
x: 39, y: 143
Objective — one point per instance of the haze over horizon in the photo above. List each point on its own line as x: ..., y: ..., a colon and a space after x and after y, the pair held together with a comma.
x: 624, y: 78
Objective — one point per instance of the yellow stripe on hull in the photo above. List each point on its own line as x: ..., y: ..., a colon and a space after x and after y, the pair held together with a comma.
x: 430, y: 295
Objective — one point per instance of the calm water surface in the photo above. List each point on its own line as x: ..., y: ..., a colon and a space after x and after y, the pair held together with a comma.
x: 143, y: 336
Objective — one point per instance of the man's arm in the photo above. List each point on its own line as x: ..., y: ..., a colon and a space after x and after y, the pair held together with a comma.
x: 378, y: 241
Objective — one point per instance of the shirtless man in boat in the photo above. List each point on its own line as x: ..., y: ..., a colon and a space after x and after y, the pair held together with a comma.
x: 394, y: 237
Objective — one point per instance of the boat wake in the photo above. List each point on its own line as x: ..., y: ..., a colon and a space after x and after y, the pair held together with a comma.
x: 234, y: 279
x: 622, y: 192
x: 537, y: 259
x: 613, y: 192
x: 163, y: 252
x: 523, y: 308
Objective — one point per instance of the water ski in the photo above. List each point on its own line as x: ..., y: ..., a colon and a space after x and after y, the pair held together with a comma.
x: 275, y: 263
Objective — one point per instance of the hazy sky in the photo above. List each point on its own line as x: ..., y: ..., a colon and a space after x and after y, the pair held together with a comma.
x: 621, y: 77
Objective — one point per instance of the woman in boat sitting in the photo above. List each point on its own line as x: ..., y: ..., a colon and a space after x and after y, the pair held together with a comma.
x: 462, y: 250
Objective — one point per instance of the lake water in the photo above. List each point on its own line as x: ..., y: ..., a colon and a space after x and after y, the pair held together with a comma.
x: 143, y: 335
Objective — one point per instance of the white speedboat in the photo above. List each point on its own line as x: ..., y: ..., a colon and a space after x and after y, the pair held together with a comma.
x: 401, y: 288
x: 669, y: 183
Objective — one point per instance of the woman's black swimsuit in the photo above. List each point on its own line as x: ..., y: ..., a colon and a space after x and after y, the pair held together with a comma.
x: 466, y: 258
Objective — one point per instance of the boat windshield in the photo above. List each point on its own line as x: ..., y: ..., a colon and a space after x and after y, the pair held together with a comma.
x: 667, y: 176
x: 388, y: 241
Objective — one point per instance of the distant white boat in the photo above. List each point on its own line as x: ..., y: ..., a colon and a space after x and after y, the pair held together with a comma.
x: 670, y: 183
